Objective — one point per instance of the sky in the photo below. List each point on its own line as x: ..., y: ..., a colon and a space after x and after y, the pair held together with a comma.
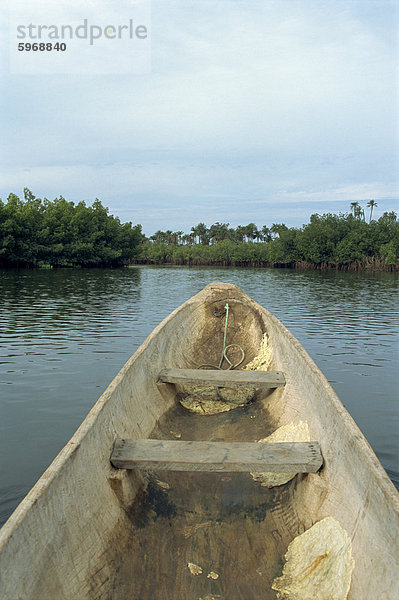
x: 262, y: 112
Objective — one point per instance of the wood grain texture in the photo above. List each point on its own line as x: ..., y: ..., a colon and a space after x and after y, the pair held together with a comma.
x: 222, y: 378
x: 89, y: 531
x: 170, y: 455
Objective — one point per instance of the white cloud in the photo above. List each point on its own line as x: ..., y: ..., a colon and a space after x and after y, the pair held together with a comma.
x: 288, y: 101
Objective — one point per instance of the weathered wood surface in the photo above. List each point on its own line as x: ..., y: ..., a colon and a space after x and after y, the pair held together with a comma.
x: 87, y: 530
x: 170, y: 455
x: 222, y: 378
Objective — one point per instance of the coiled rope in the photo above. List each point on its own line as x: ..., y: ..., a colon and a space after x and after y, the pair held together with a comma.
x: 230, y: 363
x: 225, y: 348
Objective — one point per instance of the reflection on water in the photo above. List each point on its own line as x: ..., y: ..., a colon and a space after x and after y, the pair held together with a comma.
x: 64, y: 334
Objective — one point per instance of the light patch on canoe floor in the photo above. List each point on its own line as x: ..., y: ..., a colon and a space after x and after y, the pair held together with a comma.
x: 318, y: 564
x: 194, y: 569
x: 175, y: 434
x: 205, y: 400
x: 192, y: 529
x: 212, y: 575
x: 162, y: 484
x: 293, y: 432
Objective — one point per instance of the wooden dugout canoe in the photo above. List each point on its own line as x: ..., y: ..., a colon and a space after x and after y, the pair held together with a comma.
x: 88, y: 530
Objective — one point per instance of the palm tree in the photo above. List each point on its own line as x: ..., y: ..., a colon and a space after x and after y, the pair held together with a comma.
x: 218, y: 231
x: 239, y: 233
x: 277, y: 228
x: 168, y: 236
x: 202, y: 232
x: 251, y: 231
x: 188, y: 239
x: 357, y: 210
x: 371, y: 204
x: 195, y: 233
x: 159, y: 236
x: 266, y: 234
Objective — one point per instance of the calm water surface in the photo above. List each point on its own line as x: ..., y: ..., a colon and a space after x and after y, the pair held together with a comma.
x: 65, y: 334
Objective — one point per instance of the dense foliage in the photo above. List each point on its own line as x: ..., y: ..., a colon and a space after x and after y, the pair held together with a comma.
x: 328, y: 241
x: 36, y: 232
x: 58, y: 233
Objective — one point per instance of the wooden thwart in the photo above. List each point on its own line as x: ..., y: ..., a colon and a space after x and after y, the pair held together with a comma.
x: 287, y: 457
x: 222, y: 378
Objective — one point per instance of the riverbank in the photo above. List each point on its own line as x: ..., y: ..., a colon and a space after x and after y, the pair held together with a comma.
x: 50, y: 234
x: 248, y: 254
x: 341, y: 242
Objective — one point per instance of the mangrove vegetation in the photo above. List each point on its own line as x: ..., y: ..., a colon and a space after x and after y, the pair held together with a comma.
x: 344, y: 241
x: 58, y: 233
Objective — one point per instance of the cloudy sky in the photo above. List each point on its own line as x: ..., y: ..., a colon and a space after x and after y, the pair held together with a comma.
x: 261, y: 111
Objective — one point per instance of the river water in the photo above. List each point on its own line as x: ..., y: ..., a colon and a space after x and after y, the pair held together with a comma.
x: 64, y: 334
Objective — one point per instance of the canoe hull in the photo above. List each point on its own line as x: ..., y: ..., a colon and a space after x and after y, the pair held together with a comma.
x: 71, y: 536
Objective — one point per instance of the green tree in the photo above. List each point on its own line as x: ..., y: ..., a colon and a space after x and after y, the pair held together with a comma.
x: 371, y: 204
x: 266, y: 234
x: 218, y: 231
x: 203, y: 233
x: 239, y: 233
x: 60, y: 233
x: 251, y: 231
x: 277, y: 228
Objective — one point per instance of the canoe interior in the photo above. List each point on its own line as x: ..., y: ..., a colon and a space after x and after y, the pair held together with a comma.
x: 226, y: 524
x: 90, y: 531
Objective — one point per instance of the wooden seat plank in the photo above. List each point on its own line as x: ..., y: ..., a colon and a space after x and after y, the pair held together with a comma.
x: 287, y: 457
x: 222, y: 378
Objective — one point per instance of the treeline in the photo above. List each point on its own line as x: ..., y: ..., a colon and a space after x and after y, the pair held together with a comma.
x: 328, y: 241
x: 58, y: 233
